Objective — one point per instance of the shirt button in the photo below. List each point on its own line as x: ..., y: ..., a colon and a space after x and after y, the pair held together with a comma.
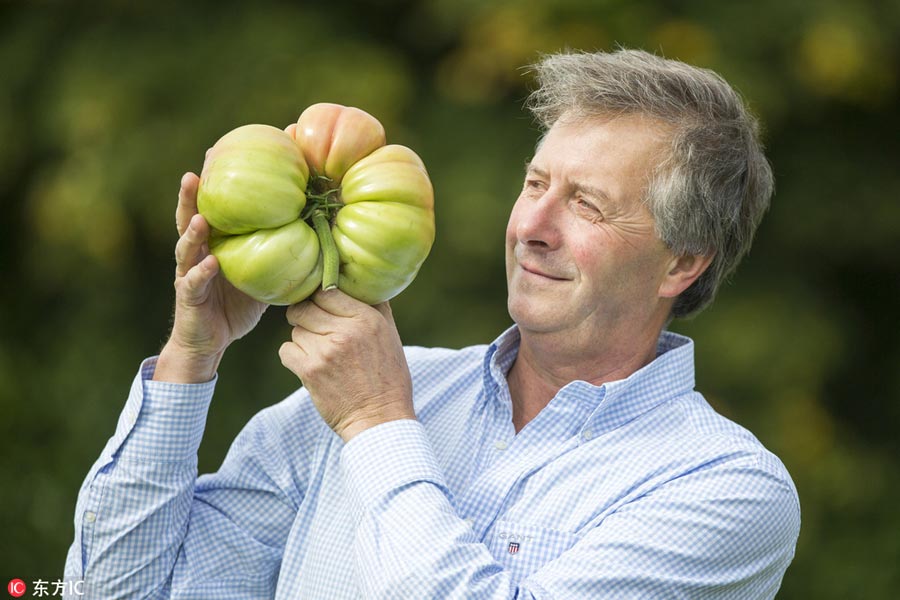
x: 90, y: 517
x: 500, y: 445
x: 587, y: 434
x: 470, y: 521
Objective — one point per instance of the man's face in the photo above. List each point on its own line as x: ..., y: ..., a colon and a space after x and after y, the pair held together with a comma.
x: 582, y: 255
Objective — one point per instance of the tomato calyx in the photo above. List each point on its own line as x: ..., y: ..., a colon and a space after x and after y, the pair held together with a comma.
x: 322, y: 205
x: 322, y: 195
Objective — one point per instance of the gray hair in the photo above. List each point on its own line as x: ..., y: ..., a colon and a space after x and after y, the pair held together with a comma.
x: 709, y: 194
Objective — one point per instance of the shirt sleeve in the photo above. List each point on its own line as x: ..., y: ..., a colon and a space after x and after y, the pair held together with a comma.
x: 410, y: 543
x: 146, y: 526
x: 726, y: 531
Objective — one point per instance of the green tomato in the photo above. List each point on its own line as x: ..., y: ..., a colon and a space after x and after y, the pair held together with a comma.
x: 372, y: 206
x: 252, y: 192
x: 253, y: 178
x: 277, y: 266
x: 386, y: 228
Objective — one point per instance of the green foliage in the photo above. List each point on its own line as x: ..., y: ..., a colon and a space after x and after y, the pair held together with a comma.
x: 104, y: 104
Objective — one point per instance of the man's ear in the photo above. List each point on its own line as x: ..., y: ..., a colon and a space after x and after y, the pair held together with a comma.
x: 683, y: 271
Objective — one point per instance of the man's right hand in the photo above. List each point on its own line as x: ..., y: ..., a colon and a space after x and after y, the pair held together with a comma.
x: 210, y: 313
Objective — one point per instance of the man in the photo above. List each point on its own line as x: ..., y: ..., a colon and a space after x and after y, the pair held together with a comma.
x: 571, y: 458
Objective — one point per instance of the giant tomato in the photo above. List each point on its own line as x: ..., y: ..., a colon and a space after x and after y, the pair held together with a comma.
x: 324, y: 202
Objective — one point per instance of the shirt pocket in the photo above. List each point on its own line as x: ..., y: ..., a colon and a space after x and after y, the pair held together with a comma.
x: 522, y: 549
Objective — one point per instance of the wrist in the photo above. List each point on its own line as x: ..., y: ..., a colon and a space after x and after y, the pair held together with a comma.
x: 353, y: 428
x: 181, y: 365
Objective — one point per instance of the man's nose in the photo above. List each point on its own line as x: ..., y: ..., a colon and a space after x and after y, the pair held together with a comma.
x: 540, y: 221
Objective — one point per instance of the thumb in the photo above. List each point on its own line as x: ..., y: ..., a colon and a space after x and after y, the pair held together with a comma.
x: 194, y: 287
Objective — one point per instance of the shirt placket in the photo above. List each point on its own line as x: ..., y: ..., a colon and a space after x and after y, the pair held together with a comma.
x: 506, y: 459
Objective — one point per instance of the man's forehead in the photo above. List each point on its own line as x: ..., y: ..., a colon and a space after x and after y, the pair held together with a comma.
x: 643, y: 138
x: 643, y: 124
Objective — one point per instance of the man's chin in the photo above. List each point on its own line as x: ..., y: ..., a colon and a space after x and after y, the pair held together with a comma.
x: 536, y: 319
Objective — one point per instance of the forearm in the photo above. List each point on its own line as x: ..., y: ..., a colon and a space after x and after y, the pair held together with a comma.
x: 134, y: 505
x: 410, y: 542
x: 132, y: 524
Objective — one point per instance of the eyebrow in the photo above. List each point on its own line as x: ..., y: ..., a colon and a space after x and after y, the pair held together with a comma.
x: 590, y: 190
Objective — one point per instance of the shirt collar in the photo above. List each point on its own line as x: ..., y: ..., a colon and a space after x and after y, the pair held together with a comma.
x: 612, y: 404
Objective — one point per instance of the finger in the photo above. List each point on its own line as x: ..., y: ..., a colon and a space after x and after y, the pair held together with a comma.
x: 305, y: 344
x: 291, y: 130
x: 192, y: 246
x: 304, y: 339
x: 187, y: 201
x: 311, y: 317
x: 193, y: 288
x: 292, y: 357
x: 338, y: 303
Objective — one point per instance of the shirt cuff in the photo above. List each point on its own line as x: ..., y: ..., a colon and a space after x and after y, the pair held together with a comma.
x: 162, y: 422
x: 382, y: 460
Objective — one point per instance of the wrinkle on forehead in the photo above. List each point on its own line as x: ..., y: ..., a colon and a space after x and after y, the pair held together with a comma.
x: 663, y: 130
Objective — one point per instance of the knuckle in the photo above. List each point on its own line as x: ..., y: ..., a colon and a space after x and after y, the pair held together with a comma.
x: 180, y: 249
x: 299, y: 310
x: 283, y: 352
x: 295, y: 312
x: 287, y: 352
x: 187, y: 283
x: 340, y: 342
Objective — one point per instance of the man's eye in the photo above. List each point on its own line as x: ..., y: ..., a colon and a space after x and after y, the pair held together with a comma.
x: 589, y: 209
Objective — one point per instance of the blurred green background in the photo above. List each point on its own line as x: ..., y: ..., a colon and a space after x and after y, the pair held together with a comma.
x: 104, y: 104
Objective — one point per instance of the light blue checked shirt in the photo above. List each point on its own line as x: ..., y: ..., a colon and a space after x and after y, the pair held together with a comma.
x: 633, y: 489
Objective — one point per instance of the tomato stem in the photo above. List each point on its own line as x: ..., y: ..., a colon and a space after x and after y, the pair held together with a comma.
x: 323, y: 203
x: 330, y: 259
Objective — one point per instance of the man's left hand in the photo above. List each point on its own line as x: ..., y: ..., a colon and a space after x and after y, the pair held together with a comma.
x: 350, y: 358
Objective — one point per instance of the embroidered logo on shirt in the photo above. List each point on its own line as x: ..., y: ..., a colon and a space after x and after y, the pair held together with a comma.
x: 513, y: 547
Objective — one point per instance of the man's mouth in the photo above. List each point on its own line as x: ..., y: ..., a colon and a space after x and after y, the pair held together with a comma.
x: 540, y: 272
